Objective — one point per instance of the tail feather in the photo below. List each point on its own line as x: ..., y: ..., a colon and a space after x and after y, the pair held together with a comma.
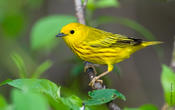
x: 148, y: 43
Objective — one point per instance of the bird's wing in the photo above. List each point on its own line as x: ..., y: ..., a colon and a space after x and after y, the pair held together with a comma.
x: 101, y: 39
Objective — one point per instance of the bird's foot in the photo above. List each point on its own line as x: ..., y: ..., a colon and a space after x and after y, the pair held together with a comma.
x: 95, y: 79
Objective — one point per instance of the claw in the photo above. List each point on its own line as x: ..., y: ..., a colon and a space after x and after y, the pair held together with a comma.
x: 95, y: 79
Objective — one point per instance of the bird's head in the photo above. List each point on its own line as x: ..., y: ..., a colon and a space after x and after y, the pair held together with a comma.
x: 73, y: 33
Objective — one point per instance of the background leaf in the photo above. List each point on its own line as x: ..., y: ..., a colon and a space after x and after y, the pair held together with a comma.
x: 168, y: 84
x: 144, y: 107
x: 5, y: 82
x: 77, y: 69
x: 44, y: 32
x: 28, y: 101
x: 129, y: 23
x: 106, y: 3
x: 73, y: 102
x: 20, y: 64
x: 37, y: 85
x: 102, y: 96
x: 42, y: 68
x: 93, y: 4
x: 12, y: 24
x: 3, y: 103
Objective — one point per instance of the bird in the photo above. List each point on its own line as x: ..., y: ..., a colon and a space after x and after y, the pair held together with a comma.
x: 100, y: 47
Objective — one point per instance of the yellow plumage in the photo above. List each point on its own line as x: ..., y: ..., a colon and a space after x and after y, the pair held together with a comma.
x: 100, y: 47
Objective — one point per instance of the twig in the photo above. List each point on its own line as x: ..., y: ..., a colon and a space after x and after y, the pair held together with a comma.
x: 90, y: 70
x: 79, y: 11
x: 165, y: 107
x: 113, y: 106
x: 89, y: 67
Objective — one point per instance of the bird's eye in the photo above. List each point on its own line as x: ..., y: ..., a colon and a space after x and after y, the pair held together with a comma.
x: 72, y: 31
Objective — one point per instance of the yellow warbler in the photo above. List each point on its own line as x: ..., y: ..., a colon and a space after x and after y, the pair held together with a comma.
x: 100, y: 47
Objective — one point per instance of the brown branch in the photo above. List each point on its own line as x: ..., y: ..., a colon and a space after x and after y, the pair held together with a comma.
x: 89, y: 67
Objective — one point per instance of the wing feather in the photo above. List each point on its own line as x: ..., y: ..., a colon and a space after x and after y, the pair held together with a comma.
x: 101, y: 39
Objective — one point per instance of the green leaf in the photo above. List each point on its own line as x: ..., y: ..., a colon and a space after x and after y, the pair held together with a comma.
x: 3, y: 103
x: 5, y: 82
x: 103, y: 96
x: 93, y: 4
x: 13, y: 24
x: 129, y: 23
x: 37, y: 85
x: 107, y: 3
x: 144, y: 107
x: 42, y: 68
x: 131, y: 108
x: 28, y: 101
x: 148, y: 107
x: 20, y: 64
x: 73, y: 102
x: 43, y: 35
x: 133, y: 25
x: 168, y: 84
x: 57, y: 104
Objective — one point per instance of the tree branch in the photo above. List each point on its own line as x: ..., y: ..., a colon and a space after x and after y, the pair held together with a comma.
x: 89, y: 67
x: 90, y: 70
x: 79, y: 11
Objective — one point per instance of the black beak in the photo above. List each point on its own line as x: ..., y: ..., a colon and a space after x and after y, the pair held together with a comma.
x: 60, y: 35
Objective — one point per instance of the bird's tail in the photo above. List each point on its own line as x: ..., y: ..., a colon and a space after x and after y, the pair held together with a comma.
x: 148, y: 43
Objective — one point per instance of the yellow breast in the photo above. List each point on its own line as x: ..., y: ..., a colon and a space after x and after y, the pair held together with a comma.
x: 100, y: 55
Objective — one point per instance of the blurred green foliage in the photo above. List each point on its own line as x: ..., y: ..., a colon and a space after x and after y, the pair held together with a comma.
x: 95, y: 4
x: 48, y: 92
x: 3, y: 103
x: 22, y: 69
x: 37, y: 85
x: 13, y: 24
x: 77, y: 69
x: 144, y: 107
x: 20, y: 64
x: 25, y: 100
x: 42, y: 68
x: 129, y: 23
x: 13, y: 16
x: 44, y: 31
x: 168, y: 83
